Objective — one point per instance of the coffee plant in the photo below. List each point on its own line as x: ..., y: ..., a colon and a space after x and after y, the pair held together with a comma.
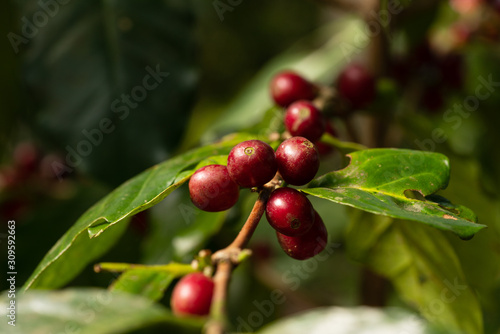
x: 338, y: 192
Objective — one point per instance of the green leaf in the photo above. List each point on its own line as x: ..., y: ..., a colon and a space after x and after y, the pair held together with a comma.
x: 75, y: 249
x: 421, y: 264
x: 342, y: 320
x: 483, y: 275
x: 145, y: 282
x: 124, y: 64
x: 84, y: 311
x: 381, y: 181
x: 149, y: 281
x: 344, y: 147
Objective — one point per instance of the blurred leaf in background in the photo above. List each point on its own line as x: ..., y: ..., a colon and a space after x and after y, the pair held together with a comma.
x: 110, y: 84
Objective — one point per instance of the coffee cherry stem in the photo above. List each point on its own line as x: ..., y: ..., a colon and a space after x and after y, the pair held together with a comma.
x: 218, y: 319
x: 228, y: 258
x: 326, y: 95
x: 253, y: 219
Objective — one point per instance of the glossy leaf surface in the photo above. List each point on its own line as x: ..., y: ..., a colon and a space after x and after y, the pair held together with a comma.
x: 383, y: 181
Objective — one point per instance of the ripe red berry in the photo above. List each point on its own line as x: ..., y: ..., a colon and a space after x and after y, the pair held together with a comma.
x: 192, y: 295
x: 289, y: 212
x: 212, y: 189
x: 26, y: 157
x: 252, y: 163
x: 298, y: 160
x: 303, y: 119
x: 356, y: 85
x: 288, y: 87
x: 307, y: 245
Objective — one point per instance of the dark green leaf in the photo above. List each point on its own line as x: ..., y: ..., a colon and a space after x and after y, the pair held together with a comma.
x: 135, y: 195
x: 93, y: 64
x: 84, y: 311
x: 382, y: 181
x: 421, y: 264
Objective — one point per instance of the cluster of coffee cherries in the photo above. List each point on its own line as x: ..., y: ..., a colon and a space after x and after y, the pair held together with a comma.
x: 253, y: 163
x: 355, y: 89
x: 300, y: 230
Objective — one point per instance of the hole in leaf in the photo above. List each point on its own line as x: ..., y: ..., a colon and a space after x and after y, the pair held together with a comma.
x: 414, y: 194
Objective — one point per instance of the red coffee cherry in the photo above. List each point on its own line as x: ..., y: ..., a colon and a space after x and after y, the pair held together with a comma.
x: 26, y: 157
x: 252, y: 163
x: 307, y: 245
x: 212, y: 189
x: 357, y: 85
x: 289, y: 212
x: 288, y: 87
x: 192, y: 295
x: 298, y: 160
x: 303, y: 119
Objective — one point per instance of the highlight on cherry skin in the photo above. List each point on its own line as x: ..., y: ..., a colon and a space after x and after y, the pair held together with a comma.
x: 298, y: 160
x: 308, y: 245
x: 288, y: 87
x: 302, y: 118
x: 252, y: 163
x: 192, y: 295
x: 212, y: 189
x: 289, y: 212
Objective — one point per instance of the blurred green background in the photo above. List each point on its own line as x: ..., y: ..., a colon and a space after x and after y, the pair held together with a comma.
x: 95, y: 92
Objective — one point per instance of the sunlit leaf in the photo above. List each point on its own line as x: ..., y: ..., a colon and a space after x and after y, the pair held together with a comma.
x: 384, y: 181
